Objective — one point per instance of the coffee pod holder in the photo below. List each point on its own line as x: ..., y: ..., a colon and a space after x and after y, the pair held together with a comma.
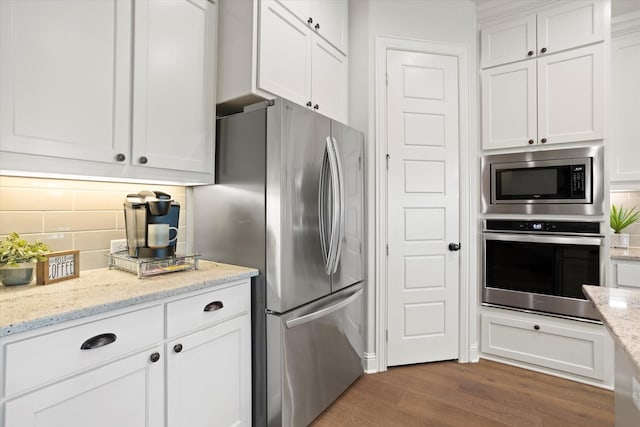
x: 145, y: 267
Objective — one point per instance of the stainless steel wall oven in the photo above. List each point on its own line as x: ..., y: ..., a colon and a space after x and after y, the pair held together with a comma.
x: 558, y: 182
x: 542, y: 265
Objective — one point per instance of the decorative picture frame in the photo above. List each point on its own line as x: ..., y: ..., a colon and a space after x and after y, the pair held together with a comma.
x: 57, y: 267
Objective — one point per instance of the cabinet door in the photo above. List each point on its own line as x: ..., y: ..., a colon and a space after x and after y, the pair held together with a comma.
x: 329, y: 80
x: 546, y: 343
x: 65, y: 78
x: 174, y: 84
x: 574, y: 24
x: 625, y: 146
x: 126, y: 393
x: 509, y: 105
x: 209, y: 376
x: 330, y: 20
x: 571, y: 95
x: 508, y: 41
x: 284, y: 57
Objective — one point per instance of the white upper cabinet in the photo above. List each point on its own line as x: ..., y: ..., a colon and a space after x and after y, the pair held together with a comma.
x: 174, y: 84
x: 509, y: 107
x: 572, y: 24
x: 624, y: 146
x: 292, y: 49
x: 555, y: 99
x: 543, y: 77
x: 328, y: 18
x: 284, y: 53
x: 571, y: 96
x: 111, y: 88
x: 508, y: 41
x: 65, y: 78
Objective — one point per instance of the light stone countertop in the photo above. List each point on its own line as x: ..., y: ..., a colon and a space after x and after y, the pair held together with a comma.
x: 620, y: 312
x: 27, y: 307
x: 630, y: 254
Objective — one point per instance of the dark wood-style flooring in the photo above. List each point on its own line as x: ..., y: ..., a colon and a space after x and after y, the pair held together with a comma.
x: 470, y: 395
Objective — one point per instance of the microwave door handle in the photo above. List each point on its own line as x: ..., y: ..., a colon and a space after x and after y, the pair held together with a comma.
x: 340, y: 233
x: 322, y: 187
x: 527, y: 238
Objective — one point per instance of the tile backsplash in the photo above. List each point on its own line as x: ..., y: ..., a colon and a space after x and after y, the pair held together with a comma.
x: 68, y: 214
x: 628, y: 200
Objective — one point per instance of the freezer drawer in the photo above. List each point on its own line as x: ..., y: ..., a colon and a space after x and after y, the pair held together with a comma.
x: 313, y: 355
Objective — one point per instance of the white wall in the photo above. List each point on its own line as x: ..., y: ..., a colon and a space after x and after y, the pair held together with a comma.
x: 445, y: 21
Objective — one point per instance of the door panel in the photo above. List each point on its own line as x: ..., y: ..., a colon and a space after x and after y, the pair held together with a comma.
x: 296, y: 139
x: 64, y: 78
x: 329, y: 82
x: 423, y: 211
x: 314, y: 354
x: 509, y: 109
x: 173, y: 114
x: 571, y: 95
x: 349, y: 143
x: 284, y: 57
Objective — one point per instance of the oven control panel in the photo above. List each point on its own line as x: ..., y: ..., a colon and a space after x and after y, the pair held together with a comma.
x: 577, y: 227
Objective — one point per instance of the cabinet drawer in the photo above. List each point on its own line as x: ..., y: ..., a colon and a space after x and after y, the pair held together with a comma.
x: 207, y: 308
x: 40, y: 359
x: 572, y: 350
x: 628, y: 274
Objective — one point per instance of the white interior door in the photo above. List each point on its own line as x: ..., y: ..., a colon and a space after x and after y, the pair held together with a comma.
x: 422, y: 207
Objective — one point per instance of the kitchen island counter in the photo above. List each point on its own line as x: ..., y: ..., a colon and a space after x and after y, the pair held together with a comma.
x: 23, y: 308
x: 620, y: 311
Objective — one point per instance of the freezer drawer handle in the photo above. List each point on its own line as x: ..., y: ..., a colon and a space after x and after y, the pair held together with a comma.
x: 214, y: 306
x: 98, y: 341
x: 292, y: 323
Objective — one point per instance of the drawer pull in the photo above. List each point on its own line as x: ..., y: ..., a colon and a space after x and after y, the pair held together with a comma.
x: 177, y: 348
x: 98, y: 341
x: 154, y: 357
x: 536, y: 327
x: 214, y: 306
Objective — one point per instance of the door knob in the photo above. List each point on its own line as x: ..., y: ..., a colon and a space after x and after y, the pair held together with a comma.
x: 454, y: 247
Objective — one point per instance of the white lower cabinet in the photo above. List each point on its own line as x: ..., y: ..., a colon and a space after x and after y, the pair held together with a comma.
x: 208, y: 376
x: 581, y: 351
x: 627, y: 273
x: 116, y: 369
x: 127, y: 392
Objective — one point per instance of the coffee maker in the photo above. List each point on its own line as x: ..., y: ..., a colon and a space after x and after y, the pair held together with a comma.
x: 143, y: 214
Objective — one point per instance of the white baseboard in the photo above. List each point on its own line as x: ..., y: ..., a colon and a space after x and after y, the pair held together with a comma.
x: 370, y: 363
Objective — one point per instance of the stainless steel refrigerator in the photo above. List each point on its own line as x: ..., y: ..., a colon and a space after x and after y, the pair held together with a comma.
x: 288, y: 200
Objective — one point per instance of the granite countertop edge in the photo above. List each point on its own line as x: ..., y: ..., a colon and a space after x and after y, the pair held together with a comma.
x: 152, y: 295
x: 620, y: 312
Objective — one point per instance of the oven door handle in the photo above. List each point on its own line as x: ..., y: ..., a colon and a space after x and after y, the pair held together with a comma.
x: 534, y: 238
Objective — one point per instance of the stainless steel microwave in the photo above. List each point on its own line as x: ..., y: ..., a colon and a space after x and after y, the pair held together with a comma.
x: 557, y: 182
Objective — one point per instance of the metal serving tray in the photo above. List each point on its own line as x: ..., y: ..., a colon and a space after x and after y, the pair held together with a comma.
x: 145, y: 267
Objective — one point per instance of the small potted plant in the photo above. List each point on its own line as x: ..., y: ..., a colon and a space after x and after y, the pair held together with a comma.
x: 619, y: 219
x: 18, y: 258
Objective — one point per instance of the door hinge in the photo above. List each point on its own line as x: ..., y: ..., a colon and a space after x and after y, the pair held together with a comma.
x: 359, y: 163
x: 388, y: 157
x: 360, y: 247
x: 387, y: 249
x: 386, y: 335
x: 386, y: 78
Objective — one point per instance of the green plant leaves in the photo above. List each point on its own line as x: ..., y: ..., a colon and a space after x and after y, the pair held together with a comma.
x: 15, y: 250
x: 620, y: 218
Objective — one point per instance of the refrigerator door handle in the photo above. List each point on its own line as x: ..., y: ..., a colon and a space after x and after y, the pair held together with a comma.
x: 324, y: 311
x: 335, y: 207
x: 322, y: 209
x: 341, y: 214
